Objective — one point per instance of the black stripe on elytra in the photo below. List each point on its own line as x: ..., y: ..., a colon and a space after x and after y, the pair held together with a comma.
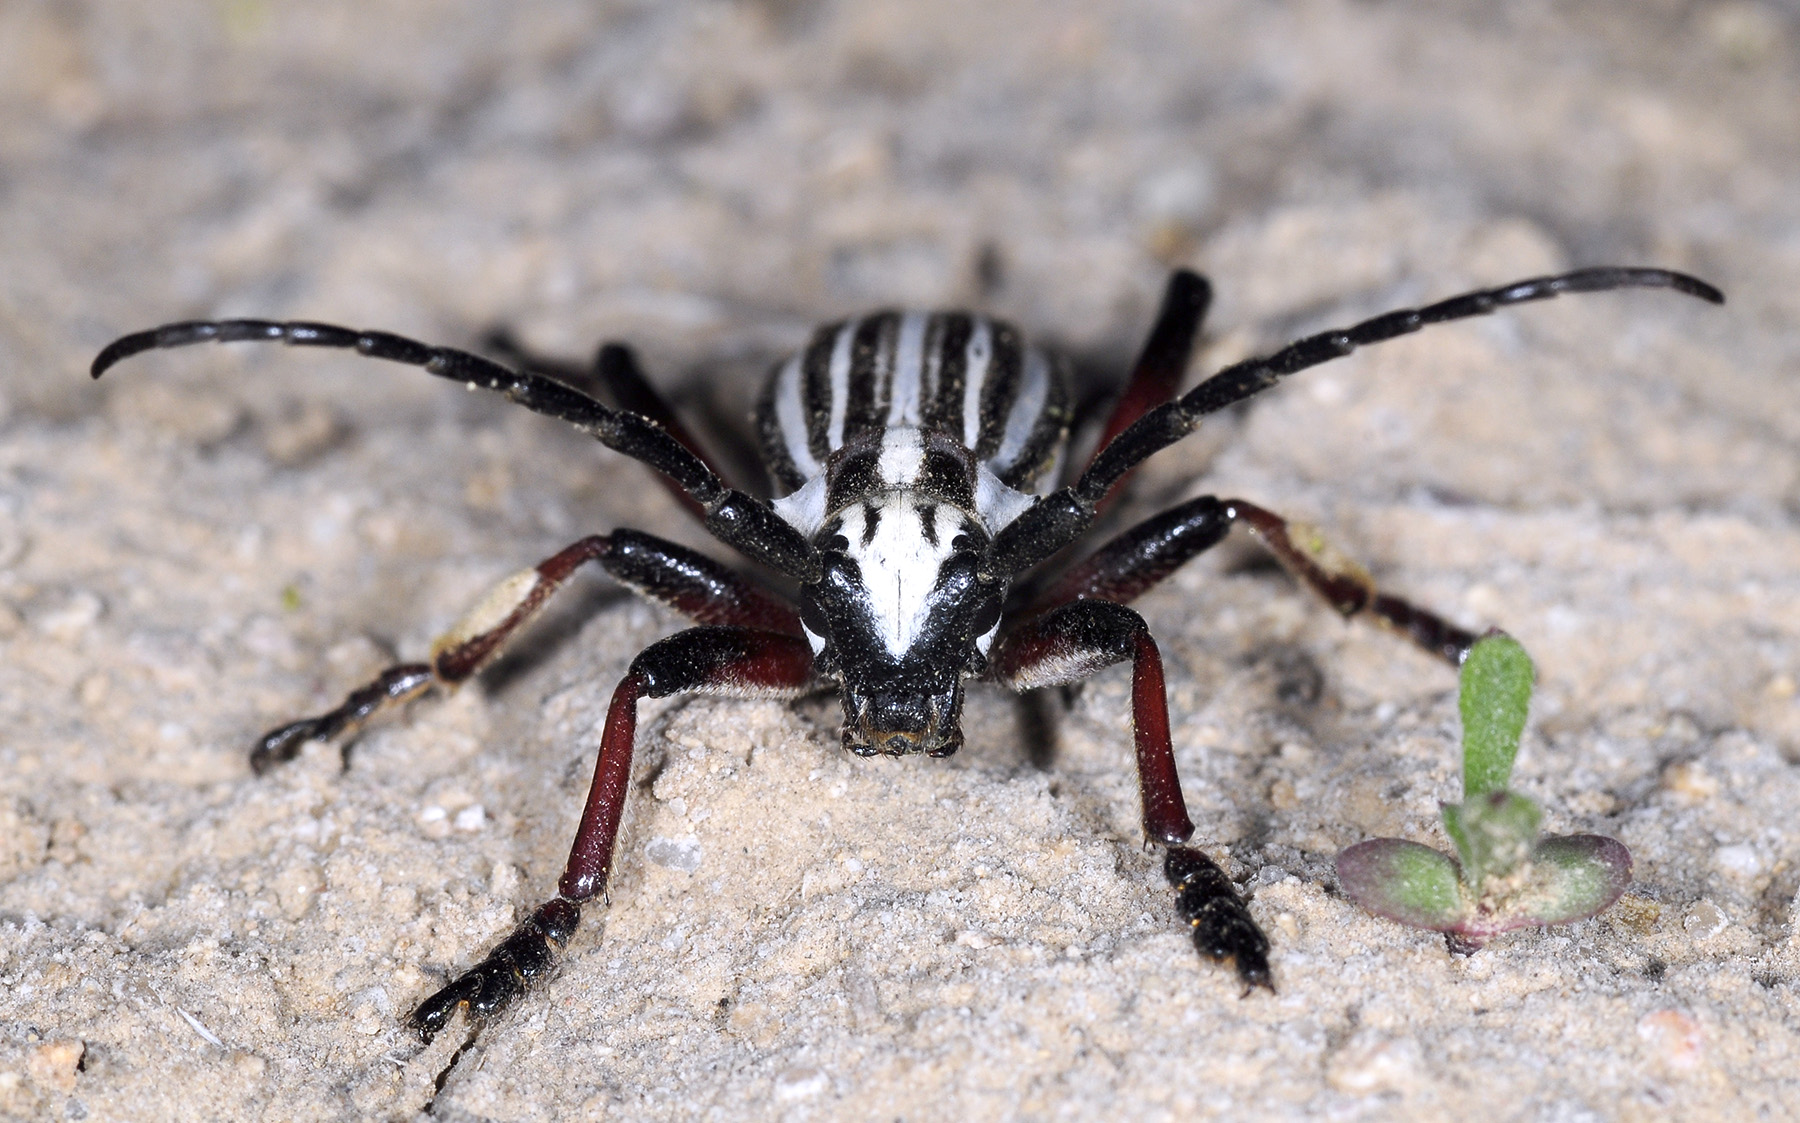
x: 1048, y: 430
x: 931, y: 361
x: 772, y: 439
x: 871, y: 359
x: 815, y: 390
x: 871, y: 520
x: 1005, y: 372
x: 946, y: 408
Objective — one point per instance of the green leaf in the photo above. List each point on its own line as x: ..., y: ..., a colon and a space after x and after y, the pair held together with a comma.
x: 1403, y: 881
x: 1492, y: 835
x: 1494, y: 697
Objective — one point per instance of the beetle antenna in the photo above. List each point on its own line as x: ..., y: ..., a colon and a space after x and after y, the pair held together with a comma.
x: 739, y: 520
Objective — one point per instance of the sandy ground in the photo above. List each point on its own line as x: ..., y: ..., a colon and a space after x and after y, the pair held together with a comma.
x: 216, y: 540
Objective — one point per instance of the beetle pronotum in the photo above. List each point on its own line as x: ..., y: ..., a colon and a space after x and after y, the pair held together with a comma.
x: 912, y: 455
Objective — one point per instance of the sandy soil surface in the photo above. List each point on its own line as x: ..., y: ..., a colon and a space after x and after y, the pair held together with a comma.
x: 216, y: 540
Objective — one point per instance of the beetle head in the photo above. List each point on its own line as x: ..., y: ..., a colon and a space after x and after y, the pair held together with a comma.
x: 900, y: 618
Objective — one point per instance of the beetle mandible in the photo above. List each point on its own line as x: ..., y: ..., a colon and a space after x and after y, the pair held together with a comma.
x: 917, y: 515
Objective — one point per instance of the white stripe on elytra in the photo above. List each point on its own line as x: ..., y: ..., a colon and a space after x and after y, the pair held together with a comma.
x: 909, y: 357
x: 1027, y: 406
x: 790, y: 414
x: 840, y: 383
x: 975, y: 369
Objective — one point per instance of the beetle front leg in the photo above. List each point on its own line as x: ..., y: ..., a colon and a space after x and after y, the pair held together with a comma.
x: 743, y: 662
x: 689, y: 582
x: 1069, y: 644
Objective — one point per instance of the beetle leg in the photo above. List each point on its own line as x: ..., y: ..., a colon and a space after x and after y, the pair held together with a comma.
x: 743, y: 662
x: 1157, y: 373
x: 1348, y: 587
x: 689, y: 582
x: 1066, y: 645
x: 1137, y: 560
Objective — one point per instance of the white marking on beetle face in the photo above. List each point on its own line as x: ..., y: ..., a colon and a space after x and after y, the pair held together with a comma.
x: 804, y: 510
x: 983, y: 643
x: 996, y: 503
x: 899, y: 565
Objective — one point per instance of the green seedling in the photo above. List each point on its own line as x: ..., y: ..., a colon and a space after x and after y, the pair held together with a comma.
x: 1503, y: 874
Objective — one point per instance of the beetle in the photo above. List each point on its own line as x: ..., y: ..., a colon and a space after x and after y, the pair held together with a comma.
x: 918, y: 517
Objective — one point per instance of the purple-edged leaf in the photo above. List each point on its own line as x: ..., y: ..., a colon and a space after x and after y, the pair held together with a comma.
x: 1574, y: 877
x: 1571, y: 877
x: 1403, y: 881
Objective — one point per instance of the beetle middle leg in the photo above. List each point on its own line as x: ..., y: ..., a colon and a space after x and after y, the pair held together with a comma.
x: 689, y: 582
x: 737, y: 661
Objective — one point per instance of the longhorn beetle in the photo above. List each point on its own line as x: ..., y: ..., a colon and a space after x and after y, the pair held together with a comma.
x: 912, y: 454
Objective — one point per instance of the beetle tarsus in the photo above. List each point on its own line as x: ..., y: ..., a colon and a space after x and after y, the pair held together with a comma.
x: 520, y: 961
x: 278, y: 746
x: 1221, y: 922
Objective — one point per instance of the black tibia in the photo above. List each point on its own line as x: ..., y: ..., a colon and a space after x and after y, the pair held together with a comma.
x: 1209, y: 904
x: 736, y: 661
x: 393, y: 686
x: 1128, y: 566
x: 733, y: 517
x: 695, y: 585
x: 519, y: 961
x: 1060, y: 517
x: 691, y: 583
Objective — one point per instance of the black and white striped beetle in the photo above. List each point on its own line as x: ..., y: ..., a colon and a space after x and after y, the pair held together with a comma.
x: 913, y: 452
